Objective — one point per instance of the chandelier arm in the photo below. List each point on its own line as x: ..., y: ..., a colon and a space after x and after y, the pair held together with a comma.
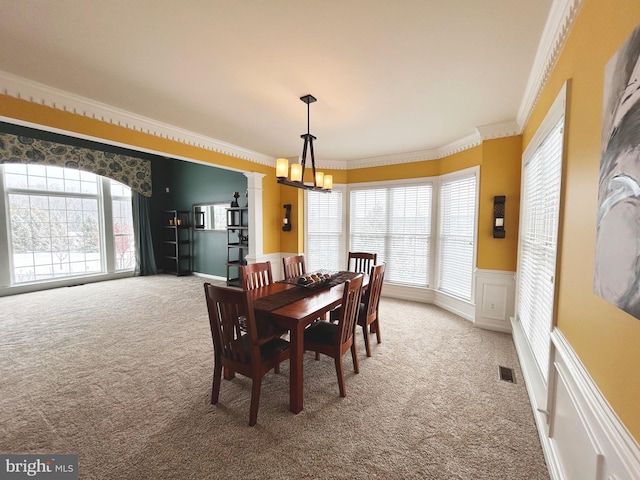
x: 313, y: 162
x: 304, y: 155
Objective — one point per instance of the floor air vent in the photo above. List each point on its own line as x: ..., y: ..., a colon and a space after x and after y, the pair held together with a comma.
x: 506, y: 374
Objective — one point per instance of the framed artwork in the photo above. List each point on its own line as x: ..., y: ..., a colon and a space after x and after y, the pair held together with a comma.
x: 617, y: 257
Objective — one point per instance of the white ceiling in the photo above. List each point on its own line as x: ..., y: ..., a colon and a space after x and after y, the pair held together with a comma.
x: 390, y: 76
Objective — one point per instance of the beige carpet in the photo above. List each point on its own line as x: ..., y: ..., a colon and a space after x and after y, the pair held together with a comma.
x: 119, y: 373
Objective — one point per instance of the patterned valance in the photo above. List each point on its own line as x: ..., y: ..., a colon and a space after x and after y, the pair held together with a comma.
x: 133, y: 172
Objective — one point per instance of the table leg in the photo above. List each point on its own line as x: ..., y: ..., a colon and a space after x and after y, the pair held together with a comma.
x: 296, y: 360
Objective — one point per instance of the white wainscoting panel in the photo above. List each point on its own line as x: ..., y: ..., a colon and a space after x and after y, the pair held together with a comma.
x: 495, y: 299
x: 586, y: 435
x: 584, y: 438
x: 276, y: 263
x: 570, y: 435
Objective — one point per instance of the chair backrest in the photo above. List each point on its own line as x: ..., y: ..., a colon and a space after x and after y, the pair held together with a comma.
x: 256, y: 275
x: 349, y: 309
x: 361, y: 262
x: 231, y: 318
x: 371, y: 298
x: 293, y: 266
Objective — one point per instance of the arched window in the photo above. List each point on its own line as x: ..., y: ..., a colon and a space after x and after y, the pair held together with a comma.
x: 62, y: 223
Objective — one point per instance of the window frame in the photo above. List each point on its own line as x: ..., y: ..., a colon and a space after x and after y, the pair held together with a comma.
x: 413, y: 182
x: 544, y: 367
x: 448, y: 177
x: 107, y: 243
x: 344, y: 205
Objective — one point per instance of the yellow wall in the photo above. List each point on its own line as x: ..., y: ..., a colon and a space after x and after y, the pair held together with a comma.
x: 499, y: 175
x: 606, y: 339
x: 292, y: 241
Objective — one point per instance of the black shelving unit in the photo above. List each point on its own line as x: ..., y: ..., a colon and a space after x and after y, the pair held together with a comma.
x: 177, y: 241
x: 237, y: 243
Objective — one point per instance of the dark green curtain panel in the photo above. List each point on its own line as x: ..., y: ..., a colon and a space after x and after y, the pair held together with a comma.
x: 145, y: 260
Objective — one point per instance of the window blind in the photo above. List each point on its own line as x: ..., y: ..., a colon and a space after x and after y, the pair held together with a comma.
x: 324, y: 249
x: 538, y: 243
x: 457, y: 236
x: 394, y: 223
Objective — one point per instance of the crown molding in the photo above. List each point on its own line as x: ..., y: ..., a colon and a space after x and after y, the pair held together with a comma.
x: 499, y: 130
x: 456, y: 146
x: 394, y: 159
x: 559, y: 22
x: 35, y: 92
x: 470, y: 141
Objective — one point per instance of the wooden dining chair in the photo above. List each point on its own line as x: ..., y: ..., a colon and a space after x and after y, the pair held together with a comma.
x: 361, y: 262
x: 256, y: 275
x: 334, y: 339
x: 368, y: 311
x: 293, y: 266
x: 236, y: 343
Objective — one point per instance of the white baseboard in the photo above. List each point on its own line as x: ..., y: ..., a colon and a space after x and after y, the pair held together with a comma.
x: 404, y: 292
x: 210, y: 277
x: 582, y: 438
x: 460, y: 307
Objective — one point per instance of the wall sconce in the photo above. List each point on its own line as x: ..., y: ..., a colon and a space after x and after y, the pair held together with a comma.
x: 498, y: 216
x: 286, y: 222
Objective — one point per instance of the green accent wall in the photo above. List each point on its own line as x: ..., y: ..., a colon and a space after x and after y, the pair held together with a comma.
x: 189, y: 184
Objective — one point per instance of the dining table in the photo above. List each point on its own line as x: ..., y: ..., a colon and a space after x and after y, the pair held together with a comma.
x: 293, y: 307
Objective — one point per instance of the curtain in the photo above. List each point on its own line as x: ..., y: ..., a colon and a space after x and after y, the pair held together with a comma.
x: 145, y: 260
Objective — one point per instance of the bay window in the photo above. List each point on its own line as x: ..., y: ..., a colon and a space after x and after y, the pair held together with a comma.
x: 396, y: 221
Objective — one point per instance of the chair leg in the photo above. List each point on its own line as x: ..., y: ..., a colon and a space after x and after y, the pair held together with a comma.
x: 365, y: 333
x: 276, y: 369
x: 377, y: 324
x: 340, y: 373
x: 217, y: 378
x: 317, y: 356
x: 354, y: 357
x: 255, y: 401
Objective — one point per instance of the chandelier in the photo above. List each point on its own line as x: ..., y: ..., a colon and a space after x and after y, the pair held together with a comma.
x: 321, y: 182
